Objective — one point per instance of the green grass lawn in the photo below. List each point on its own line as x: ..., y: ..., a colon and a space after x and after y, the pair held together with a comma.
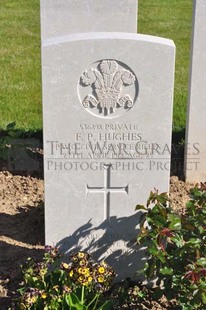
x: 171, y: 19
x: 20, y: 71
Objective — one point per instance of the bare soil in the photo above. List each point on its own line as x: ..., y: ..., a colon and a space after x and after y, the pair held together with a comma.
x: 22, y: 228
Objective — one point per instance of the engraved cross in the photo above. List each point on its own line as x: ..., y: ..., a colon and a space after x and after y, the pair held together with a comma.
x: 107, y: 189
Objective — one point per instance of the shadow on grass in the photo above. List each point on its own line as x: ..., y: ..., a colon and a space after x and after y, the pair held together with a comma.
x: 21, y: 152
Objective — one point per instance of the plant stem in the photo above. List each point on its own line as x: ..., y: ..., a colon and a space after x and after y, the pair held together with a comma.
x: 95, y: 305
x: 82, y: 296
x: 91, y: 302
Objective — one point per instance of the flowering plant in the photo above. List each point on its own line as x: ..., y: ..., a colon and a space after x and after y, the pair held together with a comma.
x: 77, y: 285
x: 176, y: 247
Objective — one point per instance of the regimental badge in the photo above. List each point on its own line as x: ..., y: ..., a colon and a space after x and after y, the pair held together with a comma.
x: 107, y: 81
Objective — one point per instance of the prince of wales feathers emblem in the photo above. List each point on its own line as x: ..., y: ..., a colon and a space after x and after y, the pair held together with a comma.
x: 107, y: 83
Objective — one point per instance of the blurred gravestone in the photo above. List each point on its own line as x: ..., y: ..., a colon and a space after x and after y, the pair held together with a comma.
x: 62, y: 17
x: 195, y: 150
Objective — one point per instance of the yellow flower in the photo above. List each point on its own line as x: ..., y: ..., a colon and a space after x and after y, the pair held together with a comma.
x: 29, y: 300
x: 71, y: 273
x: 44, y: 295
x: 81, y: 254
x: 42, y: 272
x: 89, y: 279
x: 33, y: 299
x: 75, y: 259
x: 56, y: 287
x: 101, y: 269
x: 65, y: 266
x: 100, y: 279
x: 81, y: 262
x: 85, y: 271
x: 81, y: 279
x: 85, y: 283
x: 79, y: 270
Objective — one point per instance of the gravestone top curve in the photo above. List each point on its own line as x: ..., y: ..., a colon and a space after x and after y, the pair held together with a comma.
x: 61, y: 17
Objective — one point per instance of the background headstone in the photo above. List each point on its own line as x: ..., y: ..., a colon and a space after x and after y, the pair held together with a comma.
x: 62, y: 17
x: 195, y: 150
x: 107, y: 103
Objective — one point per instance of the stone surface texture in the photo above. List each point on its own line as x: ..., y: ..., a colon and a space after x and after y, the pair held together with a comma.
x: 195, y: 152
x: 62, y: 17
x: 107, y: 132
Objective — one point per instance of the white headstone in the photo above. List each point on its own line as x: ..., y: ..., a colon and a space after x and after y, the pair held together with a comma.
x: 62, y: 17
x: 107, y: 101
x: 195, y: 151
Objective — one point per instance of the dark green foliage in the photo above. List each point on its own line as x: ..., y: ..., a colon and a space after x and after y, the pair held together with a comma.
x: 176, y: 248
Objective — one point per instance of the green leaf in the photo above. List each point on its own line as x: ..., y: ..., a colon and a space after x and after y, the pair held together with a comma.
x: 74, y: 303
x: 150, y: 269
x: 150, y: 199
x: 140, y: 207
x: 21, y: 290
x: 189, y: 204
x: 194, y: 242
x: 186, y: 307
x: 162, y: 198
x: 204, y: 298
x: 163, y: 211
x: 175, y: 222
x: 158, y: 293
x: 202, y: 286
x: 141, y: 235
x: 161, y: 257
x: 201, y: 229
x: 201, y: 261
x: 178, y: 240
x: 158, y: 220
x: 153, y: 250
x: 143, y: 218
x: 106, y: 306
x: 166, y: 271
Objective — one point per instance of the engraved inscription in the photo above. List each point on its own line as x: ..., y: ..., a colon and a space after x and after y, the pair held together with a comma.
x: 107, y: 189
x: 106, y: 83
